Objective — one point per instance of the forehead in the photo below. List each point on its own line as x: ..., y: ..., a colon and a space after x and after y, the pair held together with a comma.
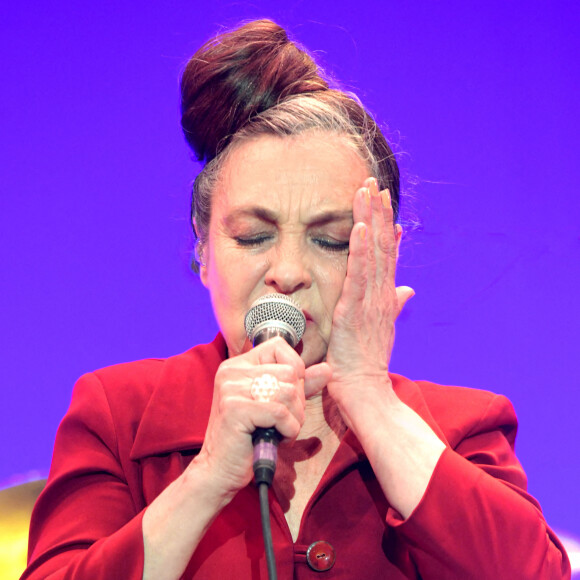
x: 312, y: 168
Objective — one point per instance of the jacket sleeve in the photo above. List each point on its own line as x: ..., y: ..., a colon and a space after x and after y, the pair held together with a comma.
x: 85, y: 523
x: 476, y: 519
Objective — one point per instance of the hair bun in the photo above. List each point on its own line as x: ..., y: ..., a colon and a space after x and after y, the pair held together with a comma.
x: 237, y: 75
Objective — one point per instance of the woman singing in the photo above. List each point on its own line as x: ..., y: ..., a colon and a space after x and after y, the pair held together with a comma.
x: 378, y: 476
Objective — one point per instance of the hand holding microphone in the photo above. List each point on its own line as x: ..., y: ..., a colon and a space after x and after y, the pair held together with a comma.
x: 270, y: 316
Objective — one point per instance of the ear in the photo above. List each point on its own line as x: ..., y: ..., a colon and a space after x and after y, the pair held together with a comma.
x: 203, y: 276
x: 199, y: 252
x: 200, y: 257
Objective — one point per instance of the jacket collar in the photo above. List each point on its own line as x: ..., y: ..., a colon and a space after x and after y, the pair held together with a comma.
x: 176, y: 416
x: 412, y: 395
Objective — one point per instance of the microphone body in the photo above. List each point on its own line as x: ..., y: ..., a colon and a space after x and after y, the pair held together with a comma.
x: 269, y: 316
x: 265, y: 442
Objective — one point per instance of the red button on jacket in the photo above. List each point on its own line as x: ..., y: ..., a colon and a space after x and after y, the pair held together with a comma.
x: 320, y: 556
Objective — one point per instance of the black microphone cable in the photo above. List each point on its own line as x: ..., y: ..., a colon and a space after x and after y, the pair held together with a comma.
x: 264, y: 470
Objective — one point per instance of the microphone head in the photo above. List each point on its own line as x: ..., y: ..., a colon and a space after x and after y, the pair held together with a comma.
x: 275, y: 315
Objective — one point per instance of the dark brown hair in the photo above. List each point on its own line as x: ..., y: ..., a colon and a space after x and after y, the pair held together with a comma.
x: 254, y: 80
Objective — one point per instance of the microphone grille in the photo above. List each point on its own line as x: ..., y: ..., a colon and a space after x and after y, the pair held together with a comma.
x: 275, y: 308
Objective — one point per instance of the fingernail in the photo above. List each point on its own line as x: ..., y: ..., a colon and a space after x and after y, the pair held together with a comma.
x: 386, y: 198
x: 367, y: 195
x: 363, y: 232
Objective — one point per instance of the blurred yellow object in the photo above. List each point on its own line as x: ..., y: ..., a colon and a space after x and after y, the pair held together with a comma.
x: 15, y: 508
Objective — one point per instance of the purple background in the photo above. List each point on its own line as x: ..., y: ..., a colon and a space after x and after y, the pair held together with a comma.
x: 483, y: 101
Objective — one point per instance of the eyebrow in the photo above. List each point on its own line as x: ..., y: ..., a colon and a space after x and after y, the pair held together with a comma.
x: 270, y: 216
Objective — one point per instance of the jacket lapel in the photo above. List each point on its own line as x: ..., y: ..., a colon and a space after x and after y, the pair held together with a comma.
x: 177, y: 413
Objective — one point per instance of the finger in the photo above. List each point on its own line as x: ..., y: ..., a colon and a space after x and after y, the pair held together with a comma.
x: 250, y: 415
x: 398, y: 236
x: 286, y: 373
x: 384, y: 238
x: 239, y: 377
x: 279, y: 416
x: 275, y: 350
x: 317, y: 377
x: 404, y: 294
x: 355, y: 282
x: 292, y: 397
x: 385, y: 195
x: 267, y: 388
x: 361, y: 204
x: 393, y: 229
x: 378, y: 248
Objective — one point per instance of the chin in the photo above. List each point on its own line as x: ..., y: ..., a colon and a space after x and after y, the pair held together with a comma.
x: 313, y: 346
x: 312, y: 351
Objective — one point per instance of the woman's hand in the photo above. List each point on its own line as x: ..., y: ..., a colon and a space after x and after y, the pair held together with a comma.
x: 178, y: 518
x: 235, y: 415
x: 402, y: 449
x: 363, y: 324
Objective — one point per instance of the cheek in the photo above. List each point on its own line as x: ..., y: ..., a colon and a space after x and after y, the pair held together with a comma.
x: 235, y: 277
x: 330, y: 278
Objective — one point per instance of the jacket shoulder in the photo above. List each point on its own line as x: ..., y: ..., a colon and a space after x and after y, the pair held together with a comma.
x: 465, y: 412
x: 131, y: 385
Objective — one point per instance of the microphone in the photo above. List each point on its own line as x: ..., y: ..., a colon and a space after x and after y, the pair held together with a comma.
x: 269, y: 316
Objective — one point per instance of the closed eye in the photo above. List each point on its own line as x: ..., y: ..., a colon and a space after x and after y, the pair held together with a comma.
x: 327, y: 244
x: 331, y: 245
x: 252, y: 241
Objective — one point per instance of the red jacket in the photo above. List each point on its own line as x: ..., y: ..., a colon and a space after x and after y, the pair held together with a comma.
x: 132, y: 429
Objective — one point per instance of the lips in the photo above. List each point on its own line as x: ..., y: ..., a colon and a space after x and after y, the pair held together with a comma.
x: 308, y: 317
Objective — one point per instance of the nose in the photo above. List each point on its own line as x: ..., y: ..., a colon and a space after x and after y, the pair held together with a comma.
x: 288, y: 270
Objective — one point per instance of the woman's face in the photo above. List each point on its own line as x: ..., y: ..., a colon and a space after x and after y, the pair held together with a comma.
x: 281, y: 220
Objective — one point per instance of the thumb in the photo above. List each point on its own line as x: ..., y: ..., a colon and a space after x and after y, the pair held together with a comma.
x: 404, y: 293
x: 316, y: 378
